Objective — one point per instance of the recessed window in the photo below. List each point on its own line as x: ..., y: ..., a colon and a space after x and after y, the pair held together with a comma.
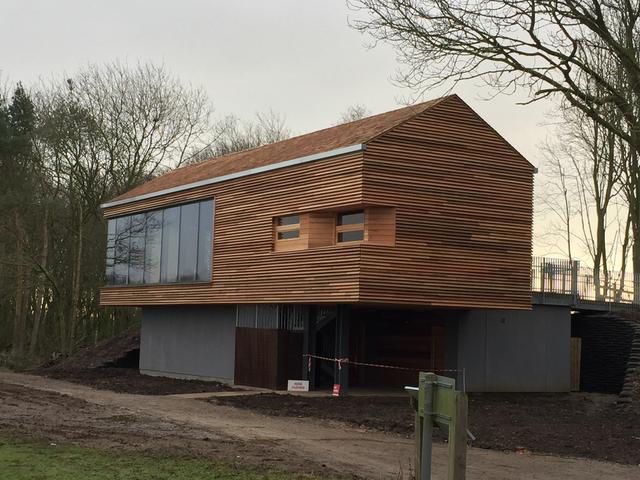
x: 287, y: 227
x: 350, y: 227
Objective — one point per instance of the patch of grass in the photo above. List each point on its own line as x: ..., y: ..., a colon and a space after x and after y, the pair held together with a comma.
x: 29, y: 460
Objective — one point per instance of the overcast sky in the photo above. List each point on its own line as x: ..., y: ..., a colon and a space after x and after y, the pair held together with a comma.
x: 297, y: 57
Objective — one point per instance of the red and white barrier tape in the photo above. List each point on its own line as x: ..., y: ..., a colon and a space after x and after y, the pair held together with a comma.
x: 341, y: 361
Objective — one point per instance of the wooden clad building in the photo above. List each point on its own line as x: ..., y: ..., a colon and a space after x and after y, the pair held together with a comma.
x: 422, y: 208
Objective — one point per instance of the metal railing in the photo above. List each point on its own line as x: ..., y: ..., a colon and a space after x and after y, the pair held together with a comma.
x: 564, y: 277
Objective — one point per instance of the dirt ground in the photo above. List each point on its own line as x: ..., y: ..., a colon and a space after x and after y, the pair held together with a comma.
x: 66, y: 412
x: 583, y: 425
x: 62, y: 418
x: 129, y: 380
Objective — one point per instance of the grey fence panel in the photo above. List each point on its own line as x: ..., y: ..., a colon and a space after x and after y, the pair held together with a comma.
x: 566, y: 277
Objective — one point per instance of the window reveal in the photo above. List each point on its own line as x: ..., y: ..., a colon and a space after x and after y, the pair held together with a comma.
x: 350, y: 226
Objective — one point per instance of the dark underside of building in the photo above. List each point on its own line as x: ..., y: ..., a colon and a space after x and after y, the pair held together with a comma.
x: 265, y: 345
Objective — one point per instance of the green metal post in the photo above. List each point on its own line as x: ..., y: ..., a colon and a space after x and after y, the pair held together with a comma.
x: 458, y: 439
x: 427, y: 381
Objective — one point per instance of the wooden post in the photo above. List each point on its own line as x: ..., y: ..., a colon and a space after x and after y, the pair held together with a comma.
x: 576, y: 353
x: 425, y: 410
x: 458, y: 439
x: 419, y: 422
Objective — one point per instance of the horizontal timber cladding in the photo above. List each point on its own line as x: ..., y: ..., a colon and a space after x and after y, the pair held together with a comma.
x: 245, y: 267
x: 463, y: 200
x: 450, y: 210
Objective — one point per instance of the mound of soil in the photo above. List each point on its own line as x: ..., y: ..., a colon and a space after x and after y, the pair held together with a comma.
x: 110, y: 352
x: 582, y: 425
x: 129, y: 380
x: 113, y: 365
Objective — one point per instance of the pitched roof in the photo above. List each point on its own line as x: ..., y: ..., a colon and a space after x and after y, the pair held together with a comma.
x: 345, y: 135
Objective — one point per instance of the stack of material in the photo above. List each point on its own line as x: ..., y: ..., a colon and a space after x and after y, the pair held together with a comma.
x: 121, y: 350
x: 630, y: 392
x: 606, y: 346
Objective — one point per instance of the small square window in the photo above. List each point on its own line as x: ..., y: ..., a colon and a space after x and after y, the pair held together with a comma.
x: 350, y: 227
x: 286, y: 231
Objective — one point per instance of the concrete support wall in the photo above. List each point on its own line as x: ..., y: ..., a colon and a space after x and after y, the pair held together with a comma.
x: 189, y: 342
x: 516, y: 351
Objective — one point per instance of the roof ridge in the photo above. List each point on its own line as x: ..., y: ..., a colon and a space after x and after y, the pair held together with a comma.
x: 425, y: 106
x: 420, y: 108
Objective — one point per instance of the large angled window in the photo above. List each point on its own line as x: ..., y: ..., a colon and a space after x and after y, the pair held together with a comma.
x: 161, y: 246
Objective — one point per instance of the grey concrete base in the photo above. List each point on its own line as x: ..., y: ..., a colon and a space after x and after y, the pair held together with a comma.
x: 515, y: 351
x: 196, y: 342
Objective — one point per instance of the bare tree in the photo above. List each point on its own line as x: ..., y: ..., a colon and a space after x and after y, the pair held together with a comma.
x: 353, y: 113
x: 584, y: 192
x: 95, y: 135
x: 547, y: 46
x: 232, y: 134
x: 585, y: 51
x: 145, y: 118
x: 557, y: 200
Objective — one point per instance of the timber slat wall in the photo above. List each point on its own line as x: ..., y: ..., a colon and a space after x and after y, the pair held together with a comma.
x: 463, y: 201
x: 245, y: 267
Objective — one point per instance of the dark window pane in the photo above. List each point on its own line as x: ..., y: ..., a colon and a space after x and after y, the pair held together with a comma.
x: 170, y: 243
x: 136, y: 249
x: 111, y: 250
x: 351, y: 218
x: 162, y: 246
x: 205, y: 247
x: 153, y: 246
x: 289, y: 220
x: 121, y: 261
x: 188, y: 242
x: 288, y: 234
x: 353, y: 236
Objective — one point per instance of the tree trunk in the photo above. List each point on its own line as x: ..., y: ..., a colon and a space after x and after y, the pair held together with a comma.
x: 600, y: 258
x: 18, y: 342
x: 625, y: 255
x: 634, y: 207
x: 635, y: 229
x: 40, y: 288
x: 75, y: 291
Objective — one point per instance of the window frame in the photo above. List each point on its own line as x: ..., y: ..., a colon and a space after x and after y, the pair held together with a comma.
x: 291, y: 227
x: 350, y: 227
